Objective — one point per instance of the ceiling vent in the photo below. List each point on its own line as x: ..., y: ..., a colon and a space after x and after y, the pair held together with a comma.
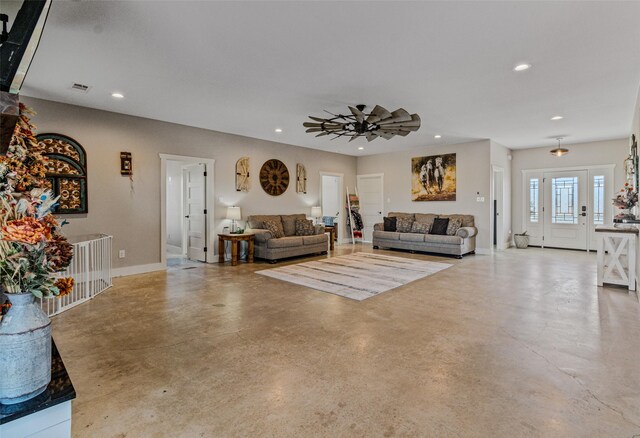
x: 80, y: 88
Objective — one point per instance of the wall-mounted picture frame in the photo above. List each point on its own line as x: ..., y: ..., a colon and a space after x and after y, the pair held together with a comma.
x: 301, y: 178
x: 242, y: 175
x: 126, y: 164
x: 433, y: 178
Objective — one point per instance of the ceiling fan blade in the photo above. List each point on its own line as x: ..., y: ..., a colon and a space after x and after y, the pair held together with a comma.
x: 323, y: 133
x: 311, y: 124
x: 383, y: 134
x: 399, y: 115
x: 359, y: 114
x: 319, y: 119
x: 353, y: 137
x: 378, y: 113
x: 371, y: 136
x: 314, y: 130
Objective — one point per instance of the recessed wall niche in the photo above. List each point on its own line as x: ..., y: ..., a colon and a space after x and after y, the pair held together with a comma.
x: 66, y: 172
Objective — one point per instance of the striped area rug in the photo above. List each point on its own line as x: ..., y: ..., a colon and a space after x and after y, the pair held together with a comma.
x: 356, y: 276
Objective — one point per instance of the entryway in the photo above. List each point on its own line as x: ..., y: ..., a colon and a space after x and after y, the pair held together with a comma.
x: 331, y: 190
x: 564, y: 206
x: 371, y: 193
x: 187, y: 219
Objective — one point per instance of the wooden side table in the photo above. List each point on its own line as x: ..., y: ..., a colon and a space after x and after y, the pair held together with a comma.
x: 617, y: 255
x: 333, y: 234
x: 234, y: 239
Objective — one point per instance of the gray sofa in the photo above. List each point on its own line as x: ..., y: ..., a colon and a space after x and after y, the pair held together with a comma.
x: 464, y: 242
x: 272, y: 249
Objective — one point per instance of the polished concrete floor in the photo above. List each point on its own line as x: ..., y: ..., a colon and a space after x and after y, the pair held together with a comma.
x: 521, y: 344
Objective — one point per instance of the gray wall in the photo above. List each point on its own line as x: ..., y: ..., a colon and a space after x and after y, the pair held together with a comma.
x: 473, y: 170
x: 581, y: 154
x: 130, y: 211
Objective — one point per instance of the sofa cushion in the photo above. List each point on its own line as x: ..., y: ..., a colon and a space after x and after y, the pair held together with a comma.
x: 420, y: 227
x: 257, y: 221
x: 412, y: 237
x: 390, y: 223
x: 285, y: 242
x: 304, y: 227
x: 467, y: 219
x: 274, y: 227
x: 387, y: 235
x: 397, y: 214
x: 289, y: 223
x: 443, y: 240
x: 403, y: 224
x: 454, y: 225
x: 425, y: 218
x: 440, y: 226
x: 315, y: 239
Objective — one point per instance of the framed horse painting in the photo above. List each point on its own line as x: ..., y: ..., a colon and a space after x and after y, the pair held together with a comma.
x: 433, y: 178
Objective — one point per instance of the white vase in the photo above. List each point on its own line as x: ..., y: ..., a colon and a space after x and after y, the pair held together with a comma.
x: 25, y: 350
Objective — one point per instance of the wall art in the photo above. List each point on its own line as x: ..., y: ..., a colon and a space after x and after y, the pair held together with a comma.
x: 301, y: 178
x: 242, y: 174
x: 274, y: 177
x: 433, y: 178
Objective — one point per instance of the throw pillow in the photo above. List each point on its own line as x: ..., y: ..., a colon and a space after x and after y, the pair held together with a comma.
x: 403, y: 224
x: 420, y: 228
x: 390, y: 223
x: 440, y: 226
x: 274, y: 227
x: 454, y: 225
x: 304, y: 227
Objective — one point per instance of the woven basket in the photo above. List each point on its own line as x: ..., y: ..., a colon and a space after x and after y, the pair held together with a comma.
x: 521, y: 241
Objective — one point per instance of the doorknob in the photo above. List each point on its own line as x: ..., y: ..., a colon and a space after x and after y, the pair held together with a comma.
x: 187, y: 217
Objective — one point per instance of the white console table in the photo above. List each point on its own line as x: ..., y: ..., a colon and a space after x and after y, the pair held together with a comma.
x: 617, y: 255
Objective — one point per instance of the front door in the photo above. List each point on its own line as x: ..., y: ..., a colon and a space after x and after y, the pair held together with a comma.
x: 195, y: 211
x: 566, y: 209
x: 371, y: 203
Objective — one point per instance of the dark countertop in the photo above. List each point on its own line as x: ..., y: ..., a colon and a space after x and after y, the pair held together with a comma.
x: 60, y: 390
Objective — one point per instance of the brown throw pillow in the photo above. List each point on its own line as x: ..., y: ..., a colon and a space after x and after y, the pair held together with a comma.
x: 403, y: 224
x: 440, y: 226
x: 454, y: 225
x: 420, y: 228
x: 274, y: 227
x: 390, y: 223
x: 304, y: 227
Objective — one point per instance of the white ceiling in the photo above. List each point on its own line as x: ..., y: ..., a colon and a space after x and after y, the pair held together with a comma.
x: 249, y: 67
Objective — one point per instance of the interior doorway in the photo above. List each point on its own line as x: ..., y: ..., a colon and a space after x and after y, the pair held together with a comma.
x: 331, y: 190
x: 370, y: 191
x: 497, y: 207
x: 187, y: 206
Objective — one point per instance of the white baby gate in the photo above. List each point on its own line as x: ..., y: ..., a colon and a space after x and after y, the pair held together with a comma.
x: 90, y: 269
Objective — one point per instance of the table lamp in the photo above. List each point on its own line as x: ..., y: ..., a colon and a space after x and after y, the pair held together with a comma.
x: 233, y: 213
x: 316, y: 212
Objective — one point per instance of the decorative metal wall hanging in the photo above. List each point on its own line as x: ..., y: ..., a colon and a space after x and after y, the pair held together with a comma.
x: 301, y: 178
x: 242, y: 174
x: 274, y: 177
x: 66, y: 172
x: 378, y: 123
x: 126, y: 164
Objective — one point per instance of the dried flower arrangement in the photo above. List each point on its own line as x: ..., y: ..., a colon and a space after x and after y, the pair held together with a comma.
x: 32, y: 249
x: 626, y: 199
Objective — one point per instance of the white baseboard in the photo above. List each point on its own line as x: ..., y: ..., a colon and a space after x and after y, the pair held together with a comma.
x: 484, y: 251
x: 137, y: 269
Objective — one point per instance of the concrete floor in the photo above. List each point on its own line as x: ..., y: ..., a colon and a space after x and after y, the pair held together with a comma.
x: 518, y: 344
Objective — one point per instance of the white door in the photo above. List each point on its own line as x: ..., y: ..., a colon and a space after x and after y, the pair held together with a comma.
x: 566, y: 209
x: 371, y: 203
x: 196, y: 211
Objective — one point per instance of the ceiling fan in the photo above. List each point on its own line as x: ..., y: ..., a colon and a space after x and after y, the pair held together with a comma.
x: 378, y: 123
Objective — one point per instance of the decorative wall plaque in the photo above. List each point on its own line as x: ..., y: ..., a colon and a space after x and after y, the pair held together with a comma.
x: 301, y: 178
x: 242, y: 174
x: 274, y: 177
x: 126, y: 164
x: 66, y: 172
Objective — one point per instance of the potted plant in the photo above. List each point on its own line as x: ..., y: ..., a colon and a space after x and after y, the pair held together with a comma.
x: 32, y: 251
x: 521, y: 240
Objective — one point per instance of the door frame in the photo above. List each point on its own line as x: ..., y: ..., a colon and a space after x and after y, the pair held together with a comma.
x: 369, y: 175
x: 501, y: 242
x: 210, y: 257
x: 525, y: 188
x: 341, y: 223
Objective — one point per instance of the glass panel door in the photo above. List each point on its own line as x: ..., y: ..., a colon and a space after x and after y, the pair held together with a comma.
x: 566, y: 209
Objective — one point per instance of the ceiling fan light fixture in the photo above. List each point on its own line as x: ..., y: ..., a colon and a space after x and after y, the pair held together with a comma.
x: 559, y: 151
x: 377, y: 123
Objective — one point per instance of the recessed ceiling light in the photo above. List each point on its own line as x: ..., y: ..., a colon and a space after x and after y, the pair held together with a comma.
x: 557, y: 118
x: 117, y: 95
x: 361, y: 148
x: 522, y: 67
x: 278, y: 130
x: 437, y: 136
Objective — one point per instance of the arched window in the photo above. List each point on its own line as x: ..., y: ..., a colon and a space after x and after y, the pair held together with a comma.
x: 66, y: 172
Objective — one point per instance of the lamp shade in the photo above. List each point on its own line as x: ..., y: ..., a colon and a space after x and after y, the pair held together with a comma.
x: 316, y: 212
x: 233, y: 213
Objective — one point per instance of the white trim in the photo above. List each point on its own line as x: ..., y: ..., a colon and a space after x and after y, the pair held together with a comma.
x: 484, y: 251
x: 563, y: 169
x: 341, y: 222
x: 501, y: 243
x: 138, y: 269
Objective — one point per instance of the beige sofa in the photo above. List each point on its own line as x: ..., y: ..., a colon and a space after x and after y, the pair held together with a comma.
x: 272, y: 249
x: 464, y: 242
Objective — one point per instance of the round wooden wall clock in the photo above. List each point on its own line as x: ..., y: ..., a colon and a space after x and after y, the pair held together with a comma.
x: 274, y: 177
